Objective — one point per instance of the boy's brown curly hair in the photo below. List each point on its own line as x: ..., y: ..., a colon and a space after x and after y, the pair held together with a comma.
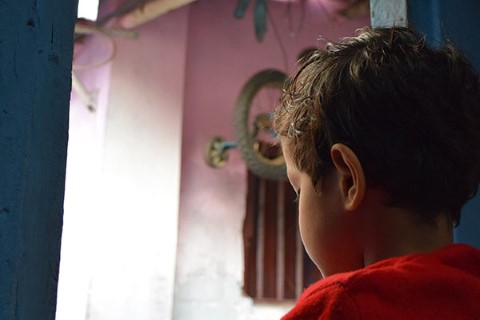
x: 411, y: 113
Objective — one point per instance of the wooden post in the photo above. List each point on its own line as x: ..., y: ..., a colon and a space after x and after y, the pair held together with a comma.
x: 36, y: 44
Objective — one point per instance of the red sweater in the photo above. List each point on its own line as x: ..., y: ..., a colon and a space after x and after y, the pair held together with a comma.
x: 441, y: 285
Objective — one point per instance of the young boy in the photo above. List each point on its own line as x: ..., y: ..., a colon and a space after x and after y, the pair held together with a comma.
x: 381, y: 136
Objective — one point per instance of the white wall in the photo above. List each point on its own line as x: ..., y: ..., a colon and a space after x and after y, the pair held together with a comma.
x: 142, y: 175
x: 118, y: 258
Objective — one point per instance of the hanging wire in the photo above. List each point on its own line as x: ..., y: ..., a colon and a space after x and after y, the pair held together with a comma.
x: 289, y: 14
x: 279, y: 41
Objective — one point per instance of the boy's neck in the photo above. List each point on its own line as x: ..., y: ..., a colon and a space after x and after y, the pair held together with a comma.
x: 397, y: 232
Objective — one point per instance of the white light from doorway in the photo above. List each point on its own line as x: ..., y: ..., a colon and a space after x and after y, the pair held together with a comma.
x: 88, y: 9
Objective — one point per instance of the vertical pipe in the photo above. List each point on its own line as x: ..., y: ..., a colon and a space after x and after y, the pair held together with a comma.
x: 280, y: 241
x: 261, y: 241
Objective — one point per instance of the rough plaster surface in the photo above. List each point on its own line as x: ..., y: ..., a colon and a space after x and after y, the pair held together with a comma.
x: 36, y: 44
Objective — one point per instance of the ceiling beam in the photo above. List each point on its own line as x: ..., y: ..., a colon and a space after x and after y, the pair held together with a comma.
x: 150, y: 11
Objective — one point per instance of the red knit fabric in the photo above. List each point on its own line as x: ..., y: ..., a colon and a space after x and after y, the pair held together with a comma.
x: 441, y: 285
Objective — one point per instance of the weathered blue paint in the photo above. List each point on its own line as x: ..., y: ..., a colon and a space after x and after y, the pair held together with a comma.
x: 457, y: 22
x: 424, y: 15
x: 36, y: 42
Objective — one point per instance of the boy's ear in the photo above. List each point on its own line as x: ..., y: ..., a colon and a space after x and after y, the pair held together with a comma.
x: 352, y: 178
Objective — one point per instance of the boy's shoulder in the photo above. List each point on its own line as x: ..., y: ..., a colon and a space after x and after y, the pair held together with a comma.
x: 438, y: 284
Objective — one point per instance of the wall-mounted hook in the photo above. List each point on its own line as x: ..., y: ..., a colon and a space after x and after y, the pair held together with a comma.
x: 216, y: 152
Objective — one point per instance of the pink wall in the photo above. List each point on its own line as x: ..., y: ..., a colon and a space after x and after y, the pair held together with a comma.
x: 188, y: 63
x: 222, y: 54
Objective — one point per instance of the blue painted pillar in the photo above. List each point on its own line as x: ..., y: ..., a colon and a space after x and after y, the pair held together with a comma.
x: 442, y: 20
x: 36, y: 42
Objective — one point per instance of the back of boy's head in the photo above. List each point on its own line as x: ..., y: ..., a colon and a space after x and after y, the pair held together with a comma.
x: 409, y: 112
